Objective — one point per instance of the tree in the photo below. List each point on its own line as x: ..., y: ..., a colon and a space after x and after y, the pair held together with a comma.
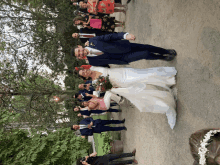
x: 44, y: 25
x: 31, y: 95
x: 60, y: 147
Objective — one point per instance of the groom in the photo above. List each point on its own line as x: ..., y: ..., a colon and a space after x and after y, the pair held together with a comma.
x: 89, y: 126
x: 112, y: 49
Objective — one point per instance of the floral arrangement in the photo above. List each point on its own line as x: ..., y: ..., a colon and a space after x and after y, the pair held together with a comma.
x: 204, y: 143
x: 107, y: 139
x: 103, y: 84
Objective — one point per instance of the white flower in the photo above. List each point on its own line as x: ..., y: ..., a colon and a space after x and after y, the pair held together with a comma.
x: 203, y: 149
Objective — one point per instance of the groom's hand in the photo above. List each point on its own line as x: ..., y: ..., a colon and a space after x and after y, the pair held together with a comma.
x: 87, y: 43
x: 130, y: 37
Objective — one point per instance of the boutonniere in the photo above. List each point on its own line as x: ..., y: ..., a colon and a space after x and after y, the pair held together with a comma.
x: 91, y: 44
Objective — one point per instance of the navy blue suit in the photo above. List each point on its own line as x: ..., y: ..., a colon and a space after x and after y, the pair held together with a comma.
x: 91, y: 89
x: 85, y: 98
x: 99, y: 126
x: 88, y: 82
x: 118, y: 51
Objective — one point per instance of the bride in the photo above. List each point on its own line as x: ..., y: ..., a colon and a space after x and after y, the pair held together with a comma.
x: 148, y: 89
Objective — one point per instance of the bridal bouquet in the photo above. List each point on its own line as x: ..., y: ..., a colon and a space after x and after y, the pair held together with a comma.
x: 103, y: 84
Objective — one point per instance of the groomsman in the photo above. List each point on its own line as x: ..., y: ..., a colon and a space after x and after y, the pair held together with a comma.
x: 83, y: 96
x: 85, y: 34
x: 89, y: 126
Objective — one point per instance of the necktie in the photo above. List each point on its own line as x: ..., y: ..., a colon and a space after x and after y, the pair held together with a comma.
x: 87, y: 36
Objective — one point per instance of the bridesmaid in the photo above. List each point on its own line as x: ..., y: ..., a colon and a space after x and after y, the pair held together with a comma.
x: 108, y: 23
x: 101, y: 103
x: 103, y: 6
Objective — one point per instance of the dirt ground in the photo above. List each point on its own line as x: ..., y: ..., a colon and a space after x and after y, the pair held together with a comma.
x: 192, y: 28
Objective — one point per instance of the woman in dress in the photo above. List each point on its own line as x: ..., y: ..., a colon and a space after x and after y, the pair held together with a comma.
x: 102, y: 6
x: 108, y: 23
x: 148, y: 89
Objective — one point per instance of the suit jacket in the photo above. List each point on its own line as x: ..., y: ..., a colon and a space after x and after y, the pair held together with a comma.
x: 113, y: 48
x: 85, y: 112
x: 86, y: 98
x: 88, y: 82
x: 90, y: 91
x: 87, y: 131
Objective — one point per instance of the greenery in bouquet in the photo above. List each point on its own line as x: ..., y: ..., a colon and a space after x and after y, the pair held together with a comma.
x: 107, y: 139
x: 103, y: 83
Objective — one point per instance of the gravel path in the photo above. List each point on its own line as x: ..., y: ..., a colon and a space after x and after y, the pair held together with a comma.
x: 193, y: 29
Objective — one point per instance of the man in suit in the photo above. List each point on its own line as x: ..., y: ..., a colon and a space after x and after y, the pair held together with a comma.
x: 111, y: 49
x: 85, y: 34
x: 83, y: 96
x: 89, y: 126
x: 87, y: 113
x: 108, y: 159
x: 88, y: 88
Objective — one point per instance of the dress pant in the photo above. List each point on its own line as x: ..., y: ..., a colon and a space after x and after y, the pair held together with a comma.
x: 112, y: 157
x: 102, y: 128
x: 141, y: 51
x: 103, y: 111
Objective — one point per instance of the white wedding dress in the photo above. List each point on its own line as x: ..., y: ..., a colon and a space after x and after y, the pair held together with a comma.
x: 140, y: 87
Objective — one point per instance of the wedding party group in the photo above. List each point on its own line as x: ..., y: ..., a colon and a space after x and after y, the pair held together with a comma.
x: 149, y: 89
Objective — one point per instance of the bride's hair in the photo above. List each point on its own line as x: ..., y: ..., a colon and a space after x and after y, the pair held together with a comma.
x: 213, y: 154
x: 77, y: 73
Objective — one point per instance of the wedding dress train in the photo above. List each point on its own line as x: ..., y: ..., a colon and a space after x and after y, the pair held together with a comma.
x: 148, y: 89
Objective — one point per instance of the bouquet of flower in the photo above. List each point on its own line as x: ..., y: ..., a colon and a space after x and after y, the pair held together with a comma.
x: 103, y: 84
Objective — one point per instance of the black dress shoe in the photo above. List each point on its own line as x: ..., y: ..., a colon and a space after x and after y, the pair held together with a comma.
x: 169, y: 58
x: 128, y: 1
x: 125, y: 129
x: 123, y: 121
x: 134, y: 152
x: 172, y: 52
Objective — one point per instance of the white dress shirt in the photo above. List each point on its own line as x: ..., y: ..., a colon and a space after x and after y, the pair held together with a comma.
x: 80, y: 35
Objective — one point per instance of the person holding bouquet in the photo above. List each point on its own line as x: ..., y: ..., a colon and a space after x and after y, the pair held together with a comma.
x: 148, y: 89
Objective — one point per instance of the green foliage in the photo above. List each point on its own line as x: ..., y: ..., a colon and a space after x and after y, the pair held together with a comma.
x: 60, y: 147
x: 19, y: 147
x: 107, y: 139
x: 2, y: 46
